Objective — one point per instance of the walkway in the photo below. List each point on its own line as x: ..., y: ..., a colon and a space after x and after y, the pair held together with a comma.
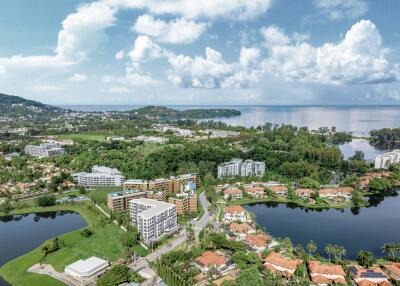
x: 47, y: 269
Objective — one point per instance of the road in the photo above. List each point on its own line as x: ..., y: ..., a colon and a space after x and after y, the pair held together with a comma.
x: 207, y: 216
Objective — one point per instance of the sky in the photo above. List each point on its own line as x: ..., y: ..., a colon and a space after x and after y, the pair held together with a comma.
x: 209, y: 52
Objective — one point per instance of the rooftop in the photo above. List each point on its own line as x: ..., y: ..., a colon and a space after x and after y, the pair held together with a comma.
x: 209, y: 258
x: 257, y: 240
x: 155, y: 206
x: 282, y: 261
x: 234, y: 209
x: 88, y: 266
x: 326, y: 269
x: 124, y: 193
x: 240, y: 227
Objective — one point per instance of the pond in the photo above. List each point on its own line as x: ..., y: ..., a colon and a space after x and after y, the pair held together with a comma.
x: 20, y: 234
x: 355, y: 229
x: 370, y: 150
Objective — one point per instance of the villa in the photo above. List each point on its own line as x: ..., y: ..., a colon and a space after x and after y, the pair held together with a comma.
x: 241, y: 230
x: 279, y: 190
x: 330, y: 193
x: 384, y: 161
x: 393, y: 269
x: 234, y: 194
x: 256, y: 192
x: 210, y: 259
x: 235, y: 213
x: 278, y: 263
x: 373, y: 276
x: 326, y: 274
x: 304, y: 193
x: 365, y: 180
x: 257, y: 242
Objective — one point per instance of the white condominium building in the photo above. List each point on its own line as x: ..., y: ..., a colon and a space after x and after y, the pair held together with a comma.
x: 100, y: 176
x: 44, y: 150
x: 384, y: 161
x: 152, y: 218
x: 236, y: 167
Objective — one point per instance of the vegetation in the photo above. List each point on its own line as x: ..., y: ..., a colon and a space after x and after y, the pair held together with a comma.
x: 45, y: 201
x: 385, y: 135
x: 117, y: 275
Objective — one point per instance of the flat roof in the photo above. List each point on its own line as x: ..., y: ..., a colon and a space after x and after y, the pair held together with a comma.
x: 124, y: 193
x: 87, y: 266
x: 155, y: 206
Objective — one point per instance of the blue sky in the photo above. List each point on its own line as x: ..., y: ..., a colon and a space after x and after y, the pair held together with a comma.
x: 220, y: 52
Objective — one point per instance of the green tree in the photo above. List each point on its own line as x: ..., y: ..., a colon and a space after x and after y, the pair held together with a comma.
x: 391, y: 249
x: 365, y: 258
x: 248, y: 277
x: 311, y: 247
x: 246, y: 261
x: 114, y: 276
x: 329, y: 249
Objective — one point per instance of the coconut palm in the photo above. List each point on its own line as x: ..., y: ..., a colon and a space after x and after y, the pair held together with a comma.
x: 311, y: 247
x: 329, y: 250
x: 365, y: 258
x: 391, y: 249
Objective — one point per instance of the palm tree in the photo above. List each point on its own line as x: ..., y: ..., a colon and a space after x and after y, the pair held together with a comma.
x: 390, y: 249
x: 341, y: 251
x: 365, y: 258
x: 329, y: 250
x: 311, y: 247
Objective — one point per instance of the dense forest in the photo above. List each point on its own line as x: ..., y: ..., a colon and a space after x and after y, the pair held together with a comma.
x: 385, y: 135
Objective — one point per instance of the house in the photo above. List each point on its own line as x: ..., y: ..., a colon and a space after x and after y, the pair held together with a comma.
x: 234, y: 194
x: 304, y: 193
x: 393, y: 269
x: 367, y: 178
x: 257, y: 242
x: 330, y: 193
x: 279, y: 190
x: 211, y: 259
x: 235, y: 213
x: 278, y: 263
x: 326, y: 274
x: 256, y: 192
x: 373, y: 276
x: 241, y: 230
x: 224, y: 278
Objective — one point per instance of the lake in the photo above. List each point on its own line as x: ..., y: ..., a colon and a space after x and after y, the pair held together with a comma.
x: 362, y: 229
x: 20, y: 234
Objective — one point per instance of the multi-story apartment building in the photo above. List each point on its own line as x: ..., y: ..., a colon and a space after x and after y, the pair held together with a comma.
x: 44, y: 150
x: 236, y: 167
x: 171, y: 185
x: 119, y: 201
x: 153, y: 219
x: 100, y: 177
x: 184, y: 202
x: 384, y: 161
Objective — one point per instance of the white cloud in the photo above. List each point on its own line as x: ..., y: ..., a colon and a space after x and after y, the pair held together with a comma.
x: 144, y: 49
x: 120, y: 55
x: 133, y: 76
x: 249, y: 56
x: 178, y: 31
x: 213, y: 72
x: 275, y: 36
x: 339, y: 9
x: 45, y: 88
x: 119, y: 89
x: 358, y: 58
x: 78, y: 77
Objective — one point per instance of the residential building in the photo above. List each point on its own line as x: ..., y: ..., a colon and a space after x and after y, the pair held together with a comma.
x: 344, y: 192
x: 235, y: 213
x: 115, y: 139
x: 211, y: 259
x: 304, y: 193
x: 234, y: 194
x: 119, y: 201
x: 326, y: 274
x: 184, y: 202
x: 364, y: 180
x: 99, y: 177
x: 373, y: 276
x: 84, y: 269
x: 44, y: 150
x: 393, y: 269
x: 384, y: 161
x: 215, y: 133
x: 280, y: 191
x: 256, y: 192
x: 278, y: 263
x: 157, y: 195
x: 153, y: 219
x: 150, y: 139
x: 241, y: 230
x: 236, y: 167
x: 257, y: 242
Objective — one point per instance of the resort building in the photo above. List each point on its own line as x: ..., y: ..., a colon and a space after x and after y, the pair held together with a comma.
x: 255, y: 192
x: 44, y: 150
x: 99, y: 177
x: 326, y: 274
x: 393, y: 269
x: 153, y: 219
x: 278, y: 263
x: 373, y: 276
x: 238, y: 168
x: 185, y: 203
x: 235, y: 213
x: 87, y: 268
x: 157, y: 195
x: 330, y: 193
x: 119, y: 201
x: 241, y: 230
x: 364, y: 180
x: 280, y: 191
x: 257, y: 242
x: 234, y: 194
x: 172, y: 185
x: 384, y: 161
x: 211, y: 259
x: 304, y: 193
x: 150, y: 139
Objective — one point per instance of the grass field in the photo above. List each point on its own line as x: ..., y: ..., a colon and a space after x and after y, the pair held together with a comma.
x: 105, y: 243
x: 83, y: 136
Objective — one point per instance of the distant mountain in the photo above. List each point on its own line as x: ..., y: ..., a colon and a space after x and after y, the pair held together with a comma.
x: 162, y: 112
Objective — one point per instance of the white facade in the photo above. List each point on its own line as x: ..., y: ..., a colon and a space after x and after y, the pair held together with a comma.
x: 44, y: 150
x: 237, y: 167
x: 88, y: 268
x: 153, y: 218
x: 100, y: 177
x: 384, y: 161
x: 236, y: 216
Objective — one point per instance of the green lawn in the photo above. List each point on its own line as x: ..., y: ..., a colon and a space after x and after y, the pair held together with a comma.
x: 83, y: 136
x: 105, y: 243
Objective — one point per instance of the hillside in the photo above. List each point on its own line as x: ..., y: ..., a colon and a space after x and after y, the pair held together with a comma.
x: 163, y: 112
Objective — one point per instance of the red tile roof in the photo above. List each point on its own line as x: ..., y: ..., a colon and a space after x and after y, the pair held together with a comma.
x: 254, y: 190
x: 257, y: 240
x: 279, y: 260
x: 209, y: 258
x: 234, y: 209
x: 394, y: 268
x: 327, y: 269
x: 232, y: 191
x: 240, y: 227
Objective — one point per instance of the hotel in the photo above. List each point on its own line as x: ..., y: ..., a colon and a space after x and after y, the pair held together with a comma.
x: 184, y: 202
x: 44, y: 150
x: 384, y: 161
x: 239, y: 168
x: 119, y: 201
x: 100, y: 177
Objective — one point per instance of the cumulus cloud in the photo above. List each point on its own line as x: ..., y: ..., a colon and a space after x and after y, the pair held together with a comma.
x: 120, y: 55
x: 78, y: 77
x: 45, y: 88
x: 359, y: 58
x: 178, y: 31
x: 144, y: 49
x: 212, y: 71
x: 133, y: 76
x: 275, y: 36
x: 339, y: 9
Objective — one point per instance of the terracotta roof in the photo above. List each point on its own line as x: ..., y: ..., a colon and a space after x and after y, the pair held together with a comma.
x: 257, y: 240
x: 221, y: 280
x: 232, y: 191
x: 234, y: 209
x: 370, y: 283
x: 327, y: 269
x: 278, y: 188
x: 254, y: 189
x: 282, y: 261
x: 394, y: 268
x: 362, y: 270
x: 211, y: 258
x: 304, y: 191
x: 240, y: 227
x: 336, y: 190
